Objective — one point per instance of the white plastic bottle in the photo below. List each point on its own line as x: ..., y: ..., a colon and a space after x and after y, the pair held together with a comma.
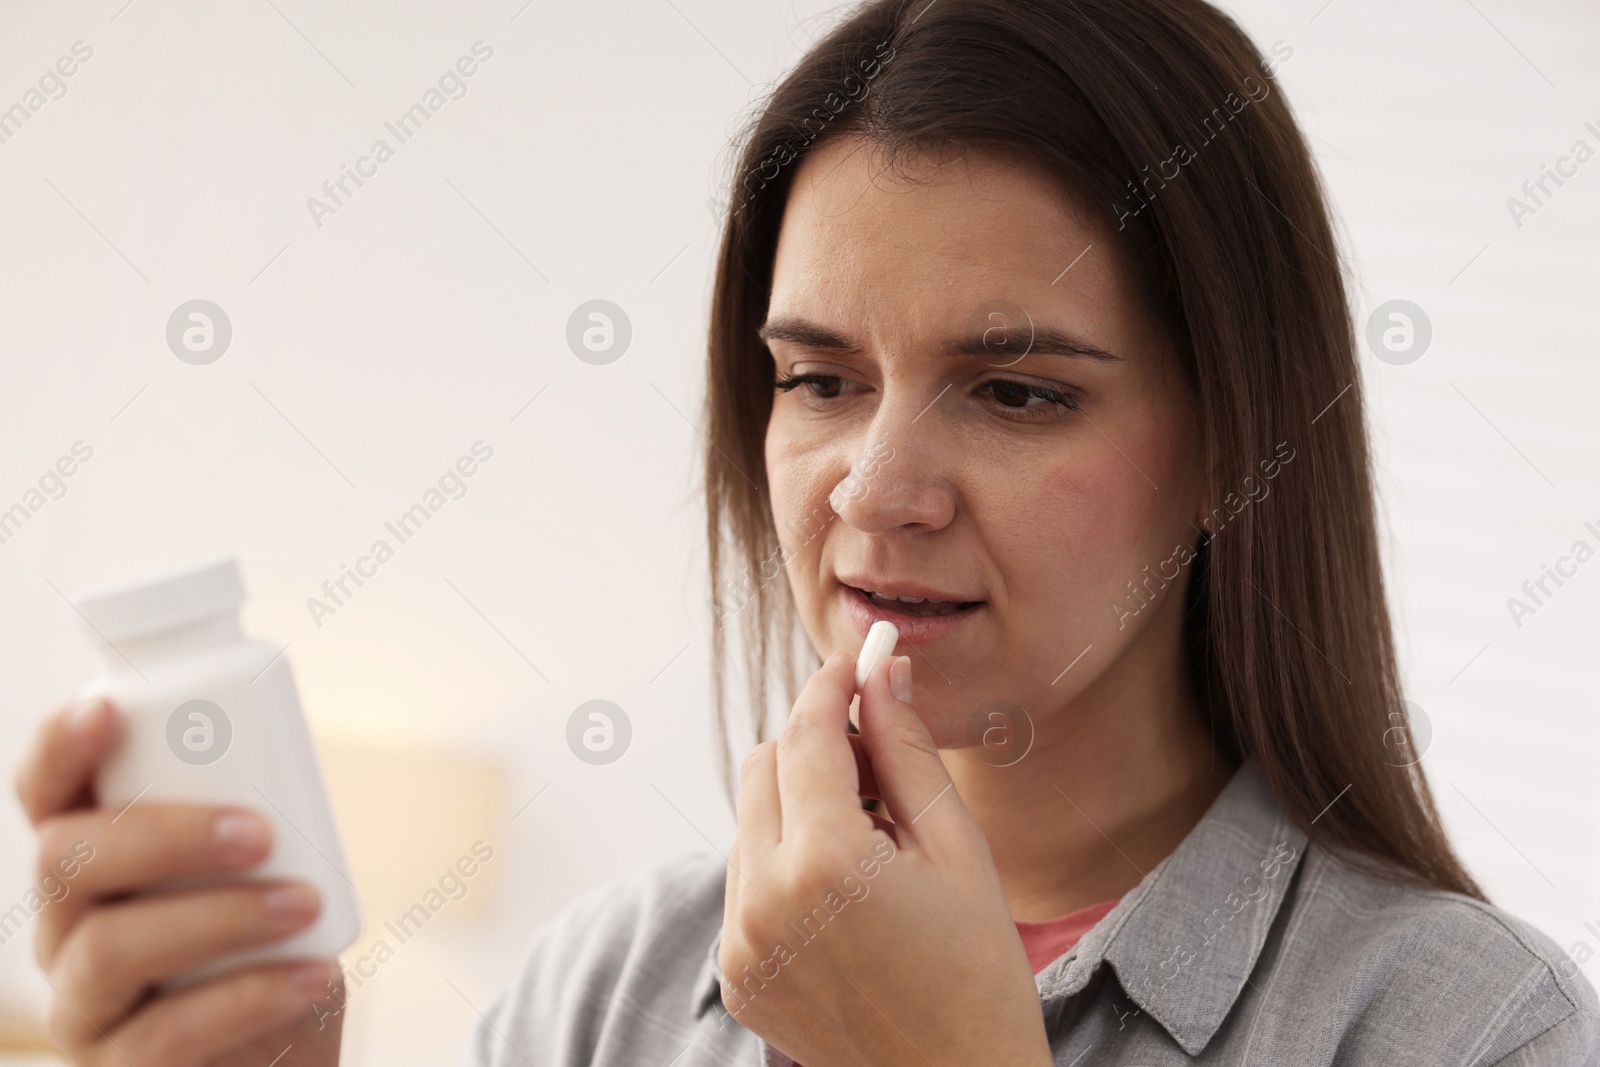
x: 212, y: 717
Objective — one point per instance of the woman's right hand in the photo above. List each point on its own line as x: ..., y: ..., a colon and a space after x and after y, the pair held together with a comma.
x: 106, y: 943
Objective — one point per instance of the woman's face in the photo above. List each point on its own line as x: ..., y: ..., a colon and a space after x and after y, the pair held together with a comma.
x: 1038, y: 478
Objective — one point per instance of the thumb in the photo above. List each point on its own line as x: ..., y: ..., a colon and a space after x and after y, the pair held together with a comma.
x: 911, y: 777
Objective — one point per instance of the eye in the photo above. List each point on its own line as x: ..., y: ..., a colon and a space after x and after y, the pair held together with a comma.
x: 1012, y: 395
x: 794, y: 381
x: 1006, y: 390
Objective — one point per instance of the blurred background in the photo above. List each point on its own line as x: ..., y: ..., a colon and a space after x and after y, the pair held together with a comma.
x: 376, y: 337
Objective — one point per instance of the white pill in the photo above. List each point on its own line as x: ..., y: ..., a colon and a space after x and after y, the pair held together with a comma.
x: 880, y: 642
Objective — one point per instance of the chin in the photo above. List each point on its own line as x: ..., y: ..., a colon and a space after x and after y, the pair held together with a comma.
x: 949, y: 726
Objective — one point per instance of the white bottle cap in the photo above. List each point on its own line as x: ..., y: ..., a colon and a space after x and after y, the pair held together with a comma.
x: 161, y: 601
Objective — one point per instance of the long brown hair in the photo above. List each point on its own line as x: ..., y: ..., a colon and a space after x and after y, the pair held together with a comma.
x: 1165, y: 114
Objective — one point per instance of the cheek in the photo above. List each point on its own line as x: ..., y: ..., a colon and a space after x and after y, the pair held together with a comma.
x: 1080, y: 527
x: 800, y: 478
x: 1068, y: 531
x: 794, y: 481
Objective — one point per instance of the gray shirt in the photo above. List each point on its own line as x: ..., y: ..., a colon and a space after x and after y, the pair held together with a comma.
x: 1246, y: 945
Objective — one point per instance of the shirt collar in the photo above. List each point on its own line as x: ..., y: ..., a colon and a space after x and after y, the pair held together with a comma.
x: 1183, y: 941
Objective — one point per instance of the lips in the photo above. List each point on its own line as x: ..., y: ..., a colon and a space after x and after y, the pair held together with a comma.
x: 933, y: 620
x: 915, y: 608
x: 908, y: 599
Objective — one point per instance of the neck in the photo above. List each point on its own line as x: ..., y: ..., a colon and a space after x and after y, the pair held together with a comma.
x: 1113, y: 783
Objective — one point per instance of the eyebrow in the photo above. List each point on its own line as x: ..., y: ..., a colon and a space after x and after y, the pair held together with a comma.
x: 1046, y: 341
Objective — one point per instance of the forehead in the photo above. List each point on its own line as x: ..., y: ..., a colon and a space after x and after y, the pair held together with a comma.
x: 935, y: 236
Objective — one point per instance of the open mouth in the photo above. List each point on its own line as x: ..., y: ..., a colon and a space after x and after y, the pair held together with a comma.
x: 915, y: 607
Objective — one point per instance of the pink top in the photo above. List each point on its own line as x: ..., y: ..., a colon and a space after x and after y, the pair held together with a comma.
x: 1045, y: 942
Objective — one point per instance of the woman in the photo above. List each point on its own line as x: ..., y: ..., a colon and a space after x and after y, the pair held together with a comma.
x: 1029, y: 336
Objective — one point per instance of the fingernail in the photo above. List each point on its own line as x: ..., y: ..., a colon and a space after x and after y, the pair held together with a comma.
x: 900, y: 679
x: 312, y: 979
x: 291, y: 903
x: 241, y: 836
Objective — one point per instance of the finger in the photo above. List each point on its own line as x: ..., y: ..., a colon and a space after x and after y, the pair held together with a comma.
x: 119, y: 950
x: 759, y: 816
x: 197, y: 1025
x: 59, y: 768
x: 867, y: 781
x: 886, y: 826
x: 817, y: 780
x: 910, y: 774
x: 730, y: 897
x: 734, y: 882
x: 145, y: 846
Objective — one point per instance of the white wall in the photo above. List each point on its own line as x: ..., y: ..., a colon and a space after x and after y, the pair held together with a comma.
x: 372, y: 350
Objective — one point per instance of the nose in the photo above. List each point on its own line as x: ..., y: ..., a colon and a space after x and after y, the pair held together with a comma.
x: 899, y: 479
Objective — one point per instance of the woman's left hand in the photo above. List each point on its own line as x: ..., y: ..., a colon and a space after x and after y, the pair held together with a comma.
x: 848, y: 940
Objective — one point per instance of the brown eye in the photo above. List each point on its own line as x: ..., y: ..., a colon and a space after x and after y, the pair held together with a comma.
x: 1011, y: 394
x: 830, y: 382
x: 1014, y: 396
